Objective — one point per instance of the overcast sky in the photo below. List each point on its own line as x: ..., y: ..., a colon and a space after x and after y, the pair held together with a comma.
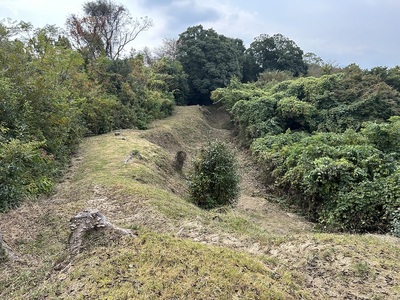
x: 365, y: 32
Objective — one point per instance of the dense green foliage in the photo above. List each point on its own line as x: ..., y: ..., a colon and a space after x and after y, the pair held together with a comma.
x: 275, y: 52
x: 26, y: 169
x: 209, y: 59
x: 174, y: 77
x: 142, y: 94
x: 341, y: 180
x: 214, y: 180
x: 50, y: 98
x: 389, y: 75
x: 330, y: 144
x: 38, y: 113
x: 331, y: 103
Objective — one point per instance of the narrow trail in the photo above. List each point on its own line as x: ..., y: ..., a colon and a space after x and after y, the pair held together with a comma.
x: 254, y: 198
x: 254, y: 202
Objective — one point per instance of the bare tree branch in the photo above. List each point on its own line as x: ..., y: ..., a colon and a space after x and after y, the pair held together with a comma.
x: 168, y: 49
x: 106, y: 29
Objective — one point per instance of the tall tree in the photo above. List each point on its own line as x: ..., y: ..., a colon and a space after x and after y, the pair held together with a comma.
x: 275, y: 52
x: 210, y: 60
x: 105, y: 29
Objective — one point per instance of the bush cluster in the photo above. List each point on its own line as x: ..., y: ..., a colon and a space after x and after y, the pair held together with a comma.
x: 214, y: 180
x: 330, y: 144
x: 396, y: 223
x: 340, y: 180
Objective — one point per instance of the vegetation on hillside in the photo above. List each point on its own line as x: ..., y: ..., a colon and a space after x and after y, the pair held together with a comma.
x: 250, y: 251
x: 330, y: 144
x: 57, y: 87
x: 325, y: 140
x: 50, y: 98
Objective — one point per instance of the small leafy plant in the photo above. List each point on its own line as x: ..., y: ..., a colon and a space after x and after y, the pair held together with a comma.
x: 214, y: 180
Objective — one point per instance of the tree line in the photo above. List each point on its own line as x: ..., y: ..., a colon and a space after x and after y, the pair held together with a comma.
x: 56, y: 88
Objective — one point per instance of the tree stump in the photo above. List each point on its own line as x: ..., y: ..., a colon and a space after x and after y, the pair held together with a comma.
x: 180, y: 159
x: 92, y: 227
x: 6, y: 253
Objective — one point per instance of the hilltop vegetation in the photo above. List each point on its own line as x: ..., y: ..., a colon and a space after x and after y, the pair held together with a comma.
x: 57, y: 87
x: 330, y: 144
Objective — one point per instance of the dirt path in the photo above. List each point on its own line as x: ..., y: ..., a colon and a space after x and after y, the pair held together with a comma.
x: 254, y: 199
x: 327, y: 266
x: 255, y: 203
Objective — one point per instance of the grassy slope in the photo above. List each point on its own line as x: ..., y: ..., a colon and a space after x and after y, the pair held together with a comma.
x: 255, y: 251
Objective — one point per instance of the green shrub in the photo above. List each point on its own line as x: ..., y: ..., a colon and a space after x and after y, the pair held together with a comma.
x: 214, y: 180
x: 337, y: 179
x: 396, y: 223
x: 99, y: 113
x: 25, y: 169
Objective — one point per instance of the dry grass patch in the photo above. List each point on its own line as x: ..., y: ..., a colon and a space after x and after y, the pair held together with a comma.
x: 160, y: 267
x: 344, y: 266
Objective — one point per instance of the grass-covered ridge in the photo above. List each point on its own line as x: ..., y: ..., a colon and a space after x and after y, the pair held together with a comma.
x: 255, y: 251
x: 161, y: 267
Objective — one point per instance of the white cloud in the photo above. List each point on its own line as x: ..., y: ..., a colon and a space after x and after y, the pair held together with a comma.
x: 361, y: 31
x: 39, y: 12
